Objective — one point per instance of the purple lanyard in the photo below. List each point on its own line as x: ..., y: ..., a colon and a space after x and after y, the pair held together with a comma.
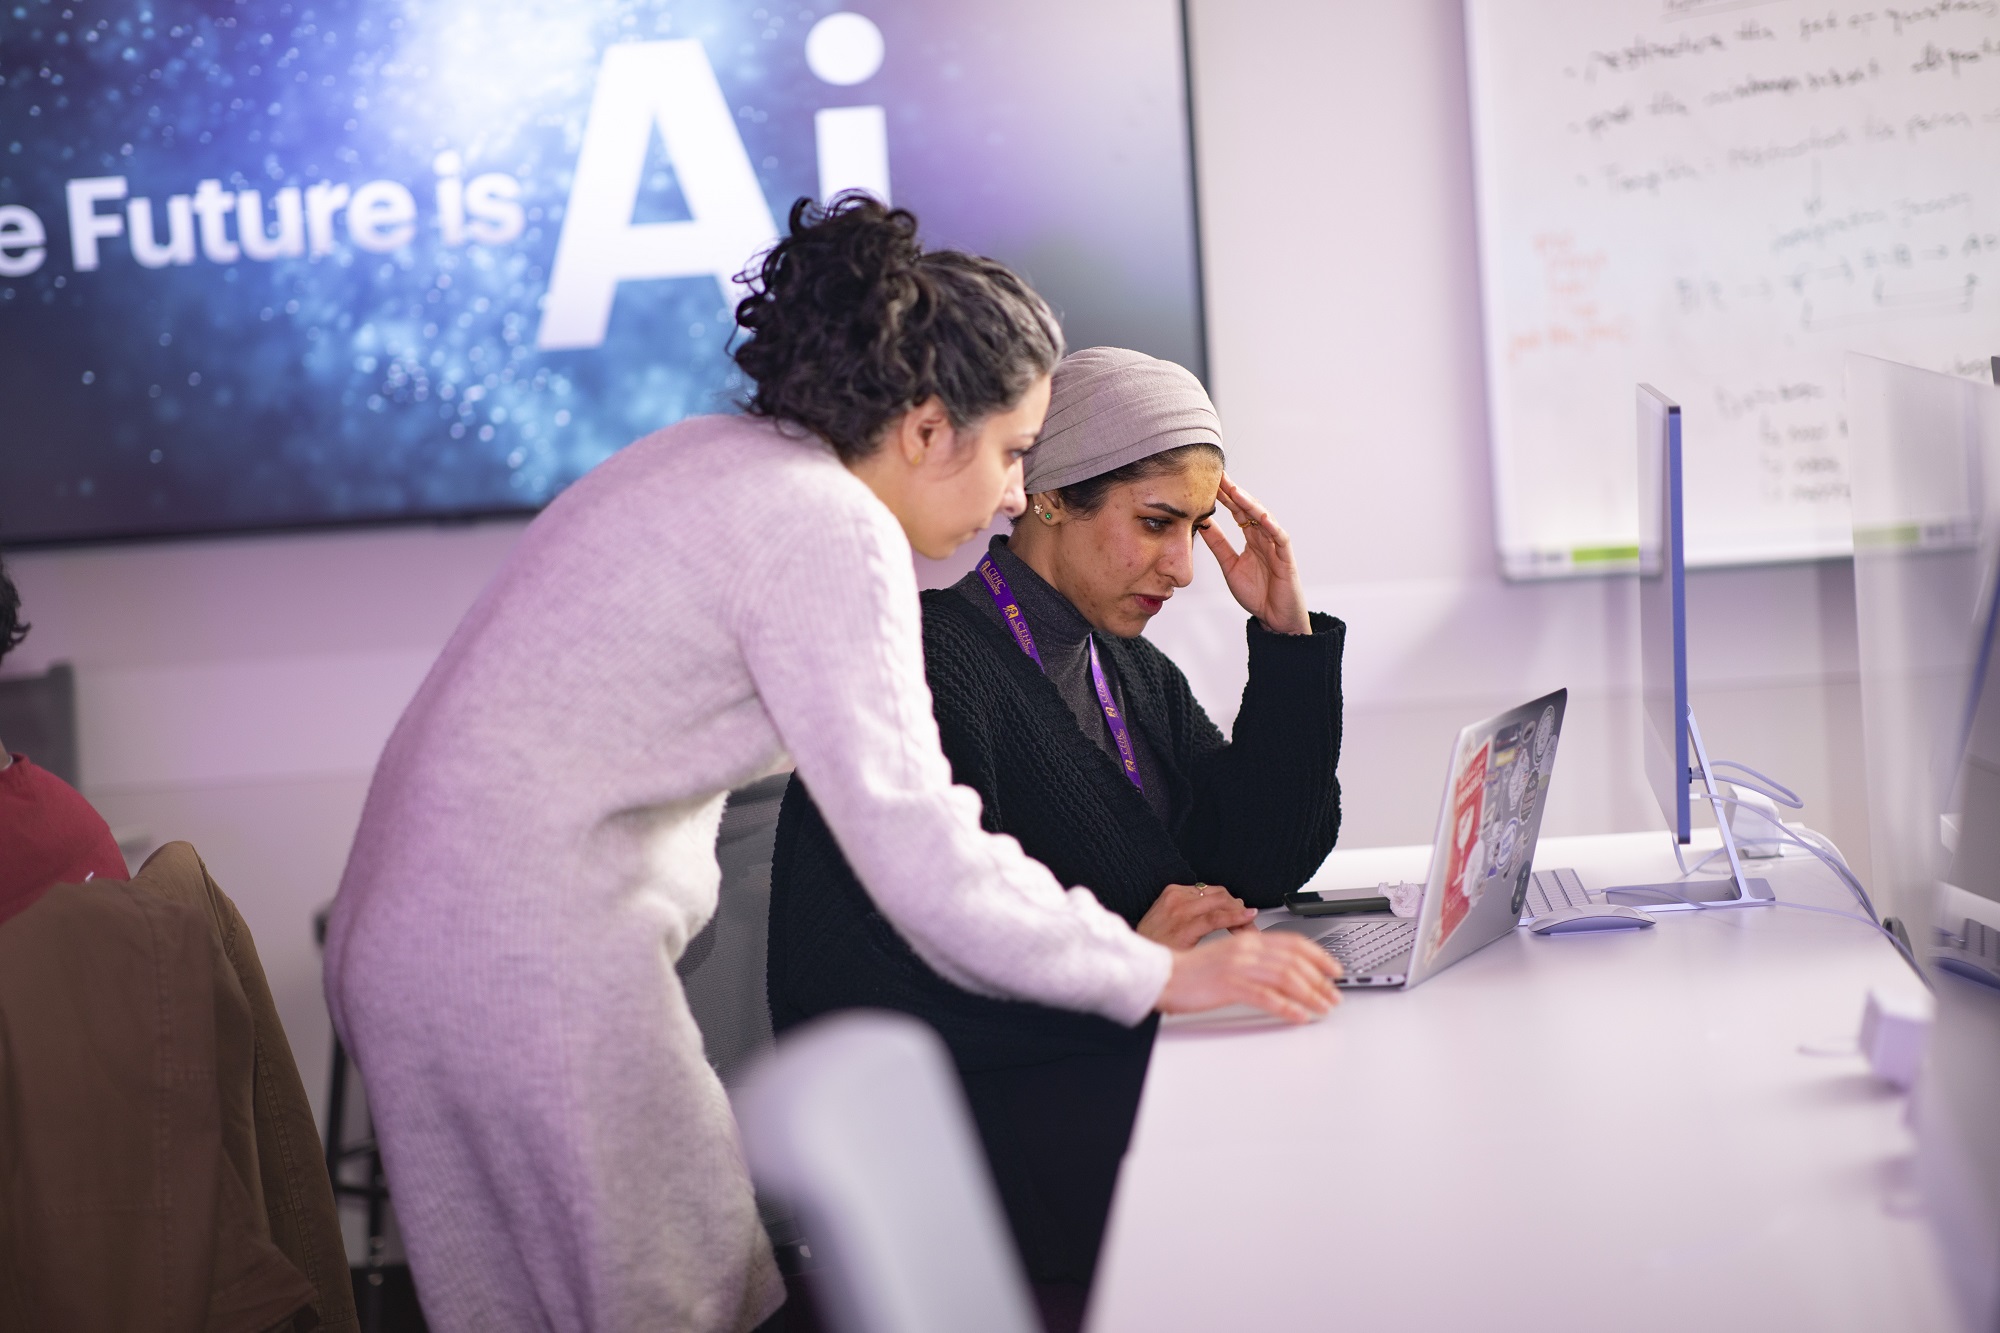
x: 1010, y: 609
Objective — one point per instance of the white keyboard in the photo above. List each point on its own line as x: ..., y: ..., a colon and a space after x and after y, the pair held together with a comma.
x: 1554, y: 890
x: 1973, y: 952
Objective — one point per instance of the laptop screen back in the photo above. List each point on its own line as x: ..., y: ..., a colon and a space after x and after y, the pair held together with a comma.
x: 1484, y: 852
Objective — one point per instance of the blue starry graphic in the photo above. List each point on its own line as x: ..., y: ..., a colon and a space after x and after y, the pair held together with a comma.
x: 185, y: 384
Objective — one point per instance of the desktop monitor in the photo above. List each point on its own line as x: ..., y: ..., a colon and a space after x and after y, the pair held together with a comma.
x: 270, y: 264
x: 1958, y: 1155
x: 1924, y: 464
x: 1663, y: 609
x: 1974, y: 802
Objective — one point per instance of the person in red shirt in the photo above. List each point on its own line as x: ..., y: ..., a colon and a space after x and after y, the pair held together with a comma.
x: 49, y: 834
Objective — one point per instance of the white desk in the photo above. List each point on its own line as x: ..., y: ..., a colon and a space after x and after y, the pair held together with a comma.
x: 1600, y: 1132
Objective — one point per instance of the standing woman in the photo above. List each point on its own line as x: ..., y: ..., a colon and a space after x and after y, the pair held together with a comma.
x: 538, y: 844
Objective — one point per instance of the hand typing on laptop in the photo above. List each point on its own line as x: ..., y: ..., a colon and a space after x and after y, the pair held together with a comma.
x: 1280, y: 974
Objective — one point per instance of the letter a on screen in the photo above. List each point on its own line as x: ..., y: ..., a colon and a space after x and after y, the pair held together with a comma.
x: 640, y: 85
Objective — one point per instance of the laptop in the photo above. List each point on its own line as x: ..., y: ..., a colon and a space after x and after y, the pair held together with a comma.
x: 1481, y: 861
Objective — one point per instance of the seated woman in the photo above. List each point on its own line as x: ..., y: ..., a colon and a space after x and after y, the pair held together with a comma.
x: 1085, y: 743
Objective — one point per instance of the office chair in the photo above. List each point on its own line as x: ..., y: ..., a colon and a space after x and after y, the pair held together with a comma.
x: 722, y: 969
x: 146, y: 1071
x: 373, y: 1274
x: 858, y: 1122
x: 38, y: 719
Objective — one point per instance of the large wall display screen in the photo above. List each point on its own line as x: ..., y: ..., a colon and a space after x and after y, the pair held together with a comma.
x: 267, y: 264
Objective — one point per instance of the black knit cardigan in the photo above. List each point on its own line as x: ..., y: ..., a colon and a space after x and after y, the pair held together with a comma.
x: 1255, y: 814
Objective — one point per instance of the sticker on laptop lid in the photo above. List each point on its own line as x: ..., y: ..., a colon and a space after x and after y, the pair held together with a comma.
x: 1510, y: 843
x: 1465, y: 859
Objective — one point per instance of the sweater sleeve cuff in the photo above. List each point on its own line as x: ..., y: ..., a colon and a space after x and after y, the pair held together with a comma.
x: 1153, y: 965
x: 1319, y: 649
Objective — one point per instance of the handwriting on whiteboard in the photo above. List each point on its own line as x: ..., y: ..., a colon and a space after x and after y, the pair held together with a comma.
x: 1722, y: 197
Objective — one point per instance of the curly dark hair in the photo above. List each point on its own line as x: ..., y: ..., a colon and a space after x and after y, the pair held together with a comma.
x: 852, y: 323
x: 13, y: 629
x: 1084, y: 498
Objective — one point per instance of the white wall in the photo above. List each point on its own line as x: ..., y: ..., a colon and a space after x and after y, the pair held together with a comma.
x: 234, y: 693
x: 1338, y: 231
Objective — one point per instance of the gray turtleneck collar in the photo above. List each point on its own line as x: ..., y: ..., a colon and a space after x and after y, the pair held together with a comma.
x: 1060, y: 630
x: 1062, y: 637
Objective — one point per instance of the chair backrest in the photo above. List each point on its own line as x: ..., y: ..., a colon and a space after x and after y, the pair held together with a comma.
x: 146, y: 1073
x: 722, y: 969
x: 38, y: 719
x: 858, y: 1122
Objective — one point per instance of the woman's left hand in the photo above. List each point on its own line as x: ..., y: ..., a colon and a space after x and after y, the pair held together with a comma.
x: 1263, y: 577
x: 1183, y: 913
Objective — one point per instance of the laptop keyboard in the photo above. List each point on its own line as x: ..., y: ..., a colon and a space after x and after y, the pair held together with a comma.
x: 1364, y: 945
x: 1554, y: 890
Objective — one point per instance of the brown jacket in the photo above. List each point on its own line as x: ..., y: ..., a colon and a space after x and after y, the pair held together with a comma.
x: 159, y: 1166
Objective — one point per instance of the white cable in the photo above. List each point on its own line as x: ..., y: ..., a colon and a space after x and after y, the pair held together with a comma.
x: 1741, y: 843
x: 1830, y: 856
x: 1762, y: 782
x: 1820, y: 847
x: 1901, y: 949
x: 1896, y: 943
x: 1835, y: 911
x: 1702, y: 864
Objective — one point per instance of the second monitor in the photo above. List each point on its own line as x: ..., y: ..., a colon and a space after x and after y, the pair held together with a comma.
x: 1675, y: 756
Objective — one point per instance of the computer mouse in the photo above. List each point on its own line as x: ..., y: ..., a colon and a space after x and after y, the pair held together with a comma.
x: 1602, y: 916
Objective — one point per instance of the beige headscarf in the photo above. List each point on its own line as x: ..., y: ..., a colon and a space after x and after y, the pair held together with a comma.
x: 1109, y: 407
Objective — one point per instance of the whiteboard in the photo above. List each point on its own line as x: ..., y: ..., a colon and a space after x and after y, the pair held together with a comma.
x: 1720, y: 198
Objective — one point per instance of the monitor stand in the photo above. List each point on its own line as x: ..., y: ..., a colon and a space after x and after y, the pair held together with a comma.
x: 1739, y: 890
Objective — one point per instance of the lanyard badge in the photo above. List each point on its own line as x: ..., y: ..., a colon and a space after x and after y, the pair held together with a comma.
x: 1017, y: 624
